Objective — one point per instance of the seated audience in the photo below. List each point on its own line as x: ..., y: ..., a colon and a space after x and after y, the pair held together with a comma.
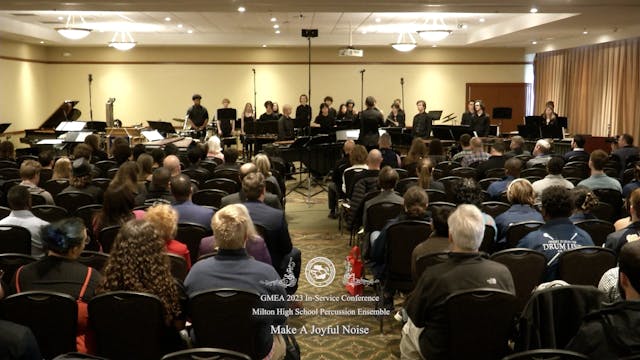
x: 145, y: 168
x: 62, y: 169
x: 214, y: 148
x: 7, y: 151
x: 358, y: 160
x: 127, y: 175
x: 577, y: 148
x: 45, y: 158
x: 554, y: 178
x: 159, y: 190
x: 625, y: 150
x: 512, y: 169
x: 468, y: 191
x: 81, y: 180
x: 334, y: 188
x: 230, y: 158
x: 264, y: 167
x: 477, y: 153
x: 240, y: 197
x: 541, y: 154
x: 465, y: 145
x: 598, y: 179
x: 117, y: 208
x: 521, y: 196
x: 631, y: 232
x: 558, y: 234
x: 19, y: 199
x: 17, y: 342
x: 59, y: 270
x: 188, y: 212
x: 516, y: 147
x: 583, y: 201
x: 158, y: 156
x: 138, y: 150
x: 436, y: 151
x: 93, y: 141
x: 172, y: 163
x: 417, y: 151
x: 165, y: 220
x: 364, y: 182
x: 121, y: 153
x: 424, y: 172
x: 84, y: 151
x: 389, y: 156
x: 137, y: 262
x: 194, y: 155
x: 633, y: 184
x: 30, y: 175
x: 612, y: 332
x: 496, y: 159
x: 255, y: 245
x: 425, y: 335
x: 232, y: 267
x: 387, y: 180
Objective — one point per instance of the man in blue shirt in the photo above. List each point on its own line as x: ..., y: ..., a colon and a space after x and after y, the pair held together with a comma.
x: 512, y: 169
x: 559, y: 233
x: 598, y: 179
x: 188, y: 212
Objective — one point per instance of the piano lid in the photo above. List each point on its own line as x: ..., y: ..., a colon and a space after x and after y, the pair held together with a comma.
x: 65, y: 112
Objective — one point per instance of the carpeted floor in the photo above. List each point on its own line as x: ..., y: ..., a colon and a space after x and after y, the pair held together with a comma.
x: 318, y: 236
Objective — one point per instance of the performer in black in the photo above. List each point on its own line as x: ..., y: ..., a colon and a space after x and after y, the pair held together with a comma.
x: 467, y: 116
x: 480, y: 121
x: 368, y: 122
x: 269, y: 114
x: 325, y: 121
x: 396, y: 116
x: 303, y: 111
x: 198, y: 116
x: 421, y: 121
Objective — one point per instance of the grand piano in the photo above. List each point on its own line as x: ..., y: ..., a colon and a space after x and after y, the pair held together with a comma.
x: 65, y: 112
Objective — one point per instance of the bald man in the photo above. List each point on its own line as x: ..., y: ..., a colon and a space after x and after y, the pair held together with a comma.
x: 240, y: 197
x: 172, y: 163
x: 336, y: 177
x: 285, y: 124
x: 364, y: 182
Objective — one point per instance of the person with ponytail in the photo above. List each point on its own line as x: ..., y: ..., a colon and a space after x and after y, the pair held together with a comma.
x: 584, y: 201
x: 424, y: 170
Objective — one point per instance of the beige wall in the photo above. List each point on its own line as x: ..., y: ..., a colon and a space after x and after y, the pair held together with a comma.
x: 157, y: 83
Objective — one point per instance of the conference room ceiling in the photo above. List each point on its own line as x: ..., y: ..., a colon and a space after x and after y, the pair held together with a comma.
x: 474, y: 23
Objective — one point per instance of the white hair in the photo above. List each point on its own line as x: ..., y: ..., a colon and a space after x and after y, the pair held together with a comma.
x: 466, y: 227
x: 214, y: 144
x: 544, y: 145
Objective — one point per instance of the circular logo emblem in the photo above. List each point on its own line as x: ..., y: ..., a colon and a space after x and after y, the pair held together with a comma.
x: 320, y: 271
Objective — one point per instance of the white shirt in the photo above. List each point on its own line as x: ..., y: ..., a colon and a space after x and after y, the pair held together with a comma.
x: 548, y: 181
x: 34, y: 224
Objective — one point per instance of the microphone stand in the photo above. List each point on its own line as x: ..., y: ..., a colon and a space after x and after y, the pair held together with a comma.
x: 255, y: 93
x: 309, y: 68
x: 402, y: 92
x: 362, y: 89
x: 90, y: 105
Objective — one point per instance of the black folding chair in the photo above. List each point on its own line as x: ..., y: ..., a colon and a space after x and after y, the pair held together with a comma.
x: 11, y: 262
x: 107, y: 237
x: 15, y: 239
x: 206, y: 353
x: 585, y: 265
x: 4, y: 212
x: 72, y: 200
x: 178, y: 266
x: 597, y: 229
x: 515, y: 232
x: 494, y: 208
x: 223, y: 184
x: 422, y: 262
x: 547, y: 354
x: 404, y: 184
x: 94, y: 259
x: 55, y: 186
x: 436, y: 195
x: 190, y: 235
x: 464, y: 172
x: 209, y: 197
x: 50, y: 213
x: 527, y: 269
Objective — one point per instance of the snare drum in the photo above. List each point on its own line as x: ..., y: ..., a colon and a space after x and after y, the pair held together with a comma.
x: 188, y: 133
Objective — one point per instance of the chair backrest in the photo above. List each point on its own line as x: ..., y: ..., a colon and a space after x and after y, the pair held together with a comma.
x: 517, y: 231
x: 15, y: 239
x: 494, y: 208
x: 488, y: 240
x: 402, y: 173
x: 628, y: 176
x: 94, y: 259
x: 611, y: 172
x: 4, y: 212
x: 231, y: 174
x: 111, y: 173
x: 574, y: 180
x: 9, y: 173
x: 206, y: 353
x: 603, y: 211
x: 50, y: 213
x: 449, y: 182
x: 348, y: 180
x: 201, y: 175
x: 402, y: 238
x: 232, y: 326
x: 138, y: 330
x: 102, y: 183
x: 447, y: 166
x: 444, y: 204
x: 404, y: 184
x: 480, y: 323
x: 52, y: 317
x: 495, y: 173
x: 106, y: 165
x: 55, y: 186
x: 190, y: 235
x: 178, y: 266
x: 209, y: 197
x: 547, y: 354
x: 486, y: 182
x: 537, y: 172
x: 436, y: 195
x: 11, y: 262
x: 72, y: 200
x: 108, y: 236
x: 379, y: 214
x: 223, y: 184
x: 210, y: 165
x: 8, y: 164
x: 597, y: 229
x: 464, y: 172
x: 611, y: 197
x: 524, y: 158
x: 422, y: 262
x: 38, y: 199
x: 575, y: 171
x: 527, y: 269
x: 585, y: 265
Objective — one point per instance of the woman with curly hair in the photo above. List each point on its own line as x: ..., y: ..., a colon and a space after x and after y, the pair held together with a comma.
x: 165, y: 219
x: 584, y: 201
x: 138, y: 263
x: 467, y: 191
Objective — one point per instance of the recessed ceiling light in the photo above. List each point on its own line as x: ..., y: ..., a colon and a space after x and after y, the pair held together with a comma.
x: 180, y: 26
x: 481, y: 19
x: 273, y: 19
x: 378, y: 20
x: 465, y: 26
x: 241, y: 9
x: 190, y: 31
x: 264, y: 45
x: 534, y: 42
x: 41, y: 42
x: 167, y: 19
x: 434, y: 45
x: 533, y: 10
x: 585, y: 32
x: 277, y: 31
x: 276, y: 26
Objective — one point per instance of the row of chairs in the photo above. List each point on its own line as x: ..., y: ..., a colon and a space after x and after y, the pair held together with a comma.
x: 138, y: 331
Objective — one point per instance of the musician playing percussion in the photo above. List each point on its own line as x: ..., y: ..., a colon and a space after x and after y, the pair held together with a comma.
x: 198, y: 116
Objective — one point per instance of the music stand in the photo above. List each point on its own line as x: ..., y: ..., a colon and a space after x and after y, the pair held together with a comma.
x: 4, y: 127
x: 308, y: 149
x: 533, y: 126
x: 434, y: 114
x: 163, y: 127
x: 96, y: 126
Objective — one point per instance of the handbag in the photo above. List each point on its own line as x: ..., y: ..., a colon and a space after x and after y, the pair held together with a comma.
x: 353, y: 273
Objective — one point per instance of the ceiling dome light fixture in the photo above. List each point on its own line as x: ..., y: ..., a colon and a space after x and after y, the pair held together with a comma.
x: 405, y: 42
x: 71, y: 32
x: 125, y: 43
x: 434, y: 30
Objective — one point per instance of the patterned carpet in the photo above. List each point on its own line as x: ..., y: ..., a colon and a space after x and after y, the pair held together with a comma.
x: 316, y: 235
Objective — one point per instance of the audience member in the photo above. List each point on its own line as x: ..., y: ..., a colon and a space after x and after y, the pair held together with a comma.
x: 214, y: 148
x: 17, y: 342
x: 633, y: 184
x: 612, y: 332
x: 165, y: 221
x: 19, y: 199
x: 172, y: 163
x: 577, y: 148
x: 465, y: 145
x: 93, y: 141
x: 188, y: 212
x: 387, y: 181
x: 232, y: 267
x: 81, y: 180
x: 625, y: 150
x: 516, y: 147
x: 62, y: 169
x: 541, y: 154
x: 264, y: 167
x: 137, y: 150
x: 512, y: 169
x: 230, y: 158
x: 584, y: 200
x: 122, y: 153
x: 425, y: 176
x: 358, y: 160
x: 127, y: 175
x: 364, y: 182
x: 45, y: 158
x: 417, y: 151
x: 631, y: 232
x: 425, y: 335
x: 158, y: 157
x: 138, y: 262
x: 598, y: 179
x: 477, y: 153
x: 334, y: 188
x: 194, y: 155
x: 554, y: 178
x: 496, y: 159
x: 117, y: 209
x: 240, y: 197
x: 59, y: 271
x: 389, y: 156
x: 30, y: 175
x: 159, y: 190
x: 145, y: 168
x: 521, y: 196
x: 558, y: 234
x: 436, y: 151
x: 7, y: 151
x: 468, y: 191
